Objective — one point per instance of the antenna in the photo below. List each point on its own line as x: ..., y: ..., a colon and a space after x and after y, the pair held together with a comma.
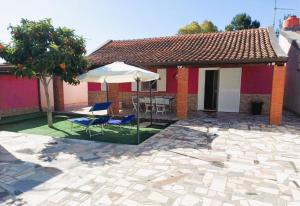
x: 275, y: 11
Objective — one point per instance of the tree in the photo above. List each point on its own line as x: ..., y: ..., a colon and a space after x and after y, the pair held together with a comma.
x: 242, y: 21
x: 191, y: 28
x: 38, y: 49
x: 208, y: 26
x: 195, y: 27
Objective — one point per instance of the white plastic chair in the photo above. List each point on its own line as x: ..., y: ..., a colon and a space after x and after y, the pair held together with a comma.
x: 148, y: 106
x: 134, y: 103
x: 160, y: 105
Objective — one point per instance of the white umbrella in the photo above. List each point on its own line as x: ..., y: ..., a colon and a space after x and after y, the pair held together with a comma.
x: 119, y: 72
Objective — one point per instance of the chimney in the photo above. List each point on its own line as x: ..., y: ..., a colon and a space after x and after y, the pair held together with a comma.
x: 292, y: 23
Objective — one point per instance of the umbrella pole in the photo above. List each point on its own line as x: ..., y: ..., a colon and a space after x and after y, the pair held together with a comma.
x: 138, y: 111
x: 106, y: 91
x: 151, y: 118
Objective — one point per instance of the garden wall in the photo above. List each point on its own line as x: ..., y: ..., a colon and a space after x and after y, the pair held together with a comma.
x: 18, y: 95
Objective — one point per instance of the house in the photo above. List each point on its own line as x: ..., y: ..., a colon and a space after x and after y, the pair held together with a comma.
x: 24, y: 95
x: 222, y: 72
x: 289, y: 40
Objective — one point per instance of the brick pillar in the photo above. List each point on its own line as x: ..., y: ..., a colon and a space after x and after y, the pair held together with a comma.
x: 58, y: 94
x: 113, y: 96
x: 277, y: 95
x: 182, y: 92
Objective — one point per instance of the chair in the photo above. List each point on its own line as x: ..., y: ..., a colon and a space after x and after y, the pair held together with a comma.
x: 125, y: 120
x: 100, y: 106
x: 168, y: 104
x: 87, y: 123
x: 160, y: 105
x: 148, y: 106
x: 134, y: 102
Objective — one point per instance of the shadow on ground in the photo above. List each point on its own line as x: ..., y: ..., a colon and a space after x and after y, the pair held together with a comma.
x: 18, y: 176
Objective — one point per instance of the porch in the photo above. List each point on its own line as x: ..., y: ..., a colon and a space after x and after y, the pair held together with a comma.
x: 236, y: 87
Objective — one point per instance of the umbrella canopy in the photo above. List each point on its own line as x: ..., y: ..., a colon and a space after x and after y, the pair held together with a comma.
x: 118, y: 72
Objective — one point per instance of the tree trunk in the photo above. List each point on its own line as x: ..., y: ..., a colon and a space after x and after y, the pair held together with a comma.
x: 49, y: 110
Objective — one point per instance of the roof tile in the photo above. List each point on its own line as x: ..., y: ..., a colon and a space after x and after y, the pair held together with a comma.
x: 245, y: 46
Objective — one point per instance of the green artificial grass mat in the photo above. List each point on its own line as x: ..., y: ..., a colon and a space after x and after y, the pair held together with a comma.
x: 62, y: 128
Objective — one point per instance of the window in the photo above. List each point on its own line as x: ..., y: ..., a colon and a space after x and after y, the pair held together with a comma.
x: 157, y: 86
x: 145, y: 86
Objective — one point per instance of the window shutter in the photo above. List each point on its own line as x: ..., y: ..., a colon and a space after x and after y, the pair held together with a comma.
x: 103, y: 87
x: 162, y: 81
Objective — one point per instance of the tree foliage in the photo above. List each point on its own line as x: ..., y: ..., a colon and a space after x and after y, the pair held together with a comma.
x: 194, y: 28
x: 208, y: 26
x: 38, y: 49
x: 242, y: 21
x: 191, y: 28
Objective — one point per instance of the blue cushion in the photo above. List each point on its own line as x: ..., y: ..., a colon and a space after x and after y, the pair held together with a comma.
x: 128, y: 119
x: 82, y: 120
x: 100, y: 106
x: 125, y: 120
x: 101, y: 120
x: 114, y: 121
x: 86, y: 121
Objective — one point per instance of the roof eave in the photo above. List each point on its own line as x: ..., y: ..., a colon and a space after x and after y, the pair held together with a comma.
x: 273, y: 40
x: 278, y: 60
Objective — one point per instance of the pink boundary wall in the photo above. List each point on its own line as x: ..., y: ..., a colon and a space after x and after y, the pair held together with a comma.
x: 18, y: 93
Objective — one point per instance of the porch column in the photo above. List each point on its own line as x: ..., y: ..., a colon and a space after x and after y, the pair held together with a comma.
x: 58, y: 94
x: 277, y: 95
x: 182, y: 92
x: 113, y: 96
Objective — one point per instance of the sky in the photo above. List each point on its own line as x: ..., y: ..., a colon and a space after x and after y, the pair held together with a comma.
x: 101, y: 20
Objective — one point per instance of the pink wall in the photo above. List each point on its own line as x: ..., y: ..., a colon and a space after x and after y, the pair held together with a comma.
x: 18, y: 92
x: 256, y: 80
x: 94, y: 87
x: 193, y: 80
x: 171, y: 82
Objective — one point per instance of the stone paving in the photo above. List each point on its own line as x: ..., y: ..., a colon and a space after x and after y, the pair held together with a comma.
x: 229, y: 159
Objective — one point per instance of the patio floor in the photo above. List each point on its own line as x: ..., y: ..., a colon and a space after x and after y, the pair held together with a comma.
x: 228, y: 159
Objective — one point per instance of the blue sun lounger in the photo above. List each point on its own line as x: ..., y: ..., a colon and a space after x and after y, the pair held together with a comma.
x: 126, y: 120
x: 87, y: 122
x: 100, y: 106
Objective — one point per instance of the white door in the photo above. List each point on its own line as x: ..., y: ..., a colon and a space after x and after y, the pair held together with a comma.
x: 229, y: 89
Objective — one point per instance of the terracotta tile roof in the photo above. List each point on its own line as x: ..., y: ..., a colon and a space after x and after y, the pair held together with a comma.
x: 237, y: 47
